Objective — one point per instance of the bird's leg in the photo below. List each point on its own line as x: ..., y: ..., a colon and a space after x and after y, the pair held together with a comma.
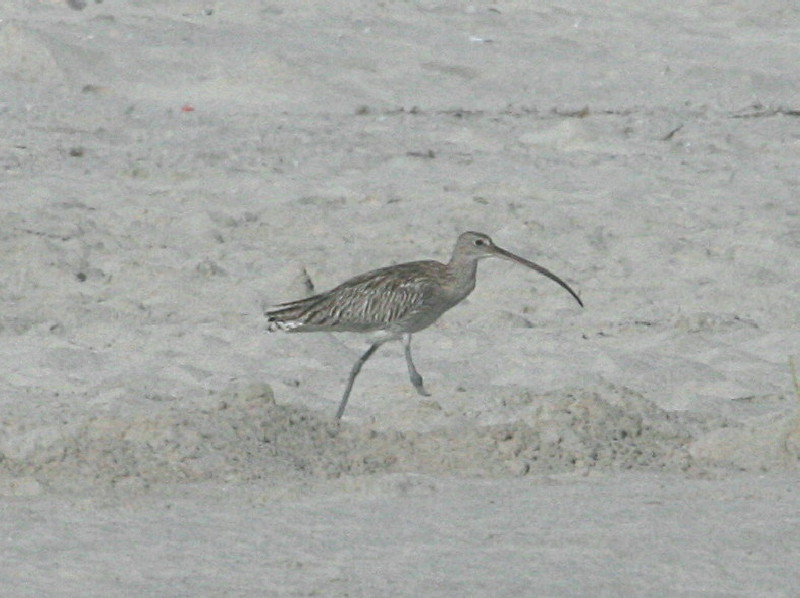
x: 416, y: 379
x: 353, y: 373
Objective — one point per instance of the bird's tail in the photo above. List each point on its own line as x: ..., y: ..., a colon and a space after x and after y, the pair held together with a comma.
x: 289, y: 317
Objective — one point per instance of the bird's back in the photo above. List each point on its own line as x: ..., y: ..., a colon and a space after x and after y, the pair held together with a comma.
x: 402, y: 298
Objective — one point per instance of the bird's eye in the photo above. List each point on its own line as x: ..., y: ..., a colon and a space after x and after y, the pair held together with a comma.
x: 480, y: 242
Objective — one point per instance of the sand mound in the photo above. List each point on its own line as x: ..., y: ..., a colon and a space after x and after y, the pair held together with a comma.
x: 244, y: 435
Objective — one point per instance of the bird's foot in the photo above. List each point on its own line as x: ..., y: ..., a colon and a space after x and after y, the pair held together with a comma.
x: 417, y: 382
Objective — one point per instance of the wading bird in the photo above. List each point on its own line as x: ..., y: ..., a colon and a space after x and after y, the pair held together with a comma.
x: 396, y: 301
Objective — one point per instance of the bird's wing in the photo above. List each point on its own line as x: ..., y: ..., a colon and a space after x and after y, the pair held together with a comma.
x: 371, y: 301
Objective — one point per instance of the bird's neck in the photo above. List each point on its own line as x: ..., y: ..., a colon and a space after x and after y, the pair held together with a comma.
x: 462, y: 274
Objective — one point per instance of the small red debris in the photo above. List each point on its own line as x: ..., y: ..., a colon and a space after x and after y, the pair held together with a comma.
x: 187, y: 108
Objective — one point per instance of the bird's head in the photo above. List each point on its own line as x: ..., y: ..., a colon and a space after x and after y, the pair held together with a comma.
x: 477, y: 246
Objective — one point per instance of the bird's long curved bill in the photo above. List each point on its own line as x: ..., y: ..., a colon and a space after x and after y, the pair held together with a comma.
x: 540, y: 269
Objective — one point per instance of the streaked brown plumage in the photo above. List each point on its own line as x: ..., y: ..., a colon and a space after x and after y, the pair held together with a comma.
x: 395, y: 301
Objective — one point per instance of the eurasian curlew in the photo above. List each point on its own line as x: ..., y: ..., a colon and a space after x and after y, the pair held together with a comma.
x: 396, y: 301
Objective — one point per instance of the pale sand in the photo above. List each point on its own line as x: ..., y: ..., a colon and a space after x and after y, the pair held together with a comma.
x: 167, y: 169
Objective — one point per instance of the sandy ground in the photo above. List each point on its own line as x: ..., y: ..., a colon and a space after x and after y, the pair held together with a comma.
x: 170, y: 168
